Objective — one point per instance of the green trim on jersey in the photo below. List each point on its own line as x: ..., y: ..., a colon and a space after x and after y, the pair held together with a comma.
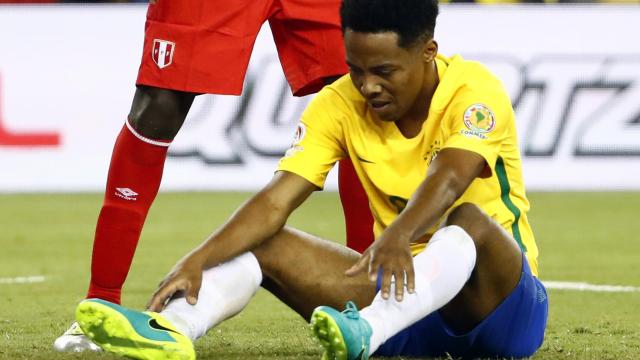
x: 505, y: 189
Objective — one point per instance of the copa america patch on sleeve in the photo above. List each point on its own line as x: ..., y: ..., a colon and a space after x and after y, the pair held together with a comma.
x: 479, y: 120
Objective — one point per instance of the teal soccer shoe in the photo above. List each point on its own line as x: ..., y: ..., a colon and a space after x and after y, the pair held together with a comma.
x: 344, y: 335
x: 133, y: 334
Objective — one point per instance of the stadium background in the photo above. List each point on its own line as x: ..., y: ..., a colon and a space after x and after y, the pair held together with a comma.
x: 67, y: 75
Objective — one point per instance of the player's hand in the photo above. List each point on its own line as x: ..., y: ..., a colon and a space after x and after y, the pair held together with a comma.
x: 391, y: 256
x: 185, y: 279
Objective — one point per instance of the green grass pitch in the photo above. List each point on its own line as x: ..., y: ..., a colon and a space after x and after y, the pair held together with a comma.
x: 591, y: 237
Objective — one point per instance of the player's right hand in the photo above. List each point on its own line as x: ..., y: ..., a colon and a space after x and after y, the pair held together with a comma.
x: 184, y: 280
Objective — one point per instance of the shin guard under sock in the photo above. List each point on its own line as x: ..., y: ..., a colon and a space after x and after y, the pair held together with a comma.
x: 132, y: 185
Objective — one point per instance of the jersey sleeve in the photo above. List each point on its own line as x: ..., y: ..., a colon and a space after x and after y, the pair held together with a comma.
x: 480, y: 121
x: 319, y: 139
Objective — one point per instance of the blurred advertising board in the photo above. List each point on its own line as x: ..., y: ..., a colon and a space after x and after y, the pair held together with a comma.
x: 67, y: 78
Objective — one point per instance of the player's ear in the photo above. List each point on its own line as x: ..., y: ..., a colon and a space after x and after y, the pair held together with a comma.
x: 430, y: 50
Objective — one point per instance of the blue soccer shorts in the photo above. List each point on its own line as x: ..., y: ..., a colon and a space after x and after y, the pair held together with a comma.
x: 514, y: 329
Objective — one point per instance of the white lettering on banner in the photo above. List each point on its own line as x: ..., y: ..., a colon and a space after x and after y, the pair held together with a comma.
x: 556, y: 81
x: 270, y: 124
x: 554, y: 98
x: 619, y: 119
x: 211, y: 132
x: 583, y: 107
x: 226, y: 130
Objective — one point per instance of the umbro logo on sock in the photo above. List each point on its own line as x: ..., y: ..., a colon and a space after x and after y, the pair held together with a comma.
x: 126, y: 193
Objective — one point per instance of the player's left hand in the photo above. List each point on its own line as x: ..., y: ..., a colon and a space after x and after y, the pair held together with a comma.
x: 389, y: 256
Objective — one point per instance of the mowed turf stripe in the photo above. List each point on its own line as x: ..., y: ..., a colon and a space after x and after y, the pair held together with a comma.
x: 22, y: 280
x: 583, y: 286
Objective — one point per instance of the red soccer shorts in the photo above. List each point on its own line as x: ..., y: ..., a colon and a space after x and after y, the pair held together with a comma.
x: 203, y: 46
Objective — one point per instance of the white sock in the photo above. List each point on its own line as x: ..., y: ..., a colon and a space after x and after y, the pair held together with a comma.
x: 226, y: 289
x: 441, y: 271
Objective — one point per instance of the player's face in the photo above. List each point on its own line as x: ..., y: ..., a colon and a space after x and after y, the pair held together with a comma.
x: 394, y: 80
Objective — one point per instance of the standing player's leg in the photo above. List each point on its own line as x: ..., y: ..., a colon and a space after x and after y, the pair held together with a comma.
x: 358, y: 220
x: 133, y: 180
x: 183, y: 51
x: 132, y: 184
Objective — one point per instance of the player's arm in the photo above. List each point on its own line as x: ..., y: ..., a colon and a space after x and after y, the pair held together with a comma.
x: 261, y: 217
x: 448, y: 177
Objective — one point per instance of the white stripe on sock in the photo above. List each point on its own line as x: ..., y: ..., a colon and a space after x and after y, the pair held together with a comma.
x: 147, y: 140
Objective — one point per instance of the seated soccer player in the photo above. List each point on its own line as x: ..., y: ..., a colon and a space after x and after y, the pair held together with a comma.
x: 202, y: 46
x: 454, y: 264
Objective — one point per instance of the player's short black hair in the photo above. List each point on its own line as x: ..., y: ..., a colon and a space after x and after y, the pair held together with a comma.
x: 410, y: 19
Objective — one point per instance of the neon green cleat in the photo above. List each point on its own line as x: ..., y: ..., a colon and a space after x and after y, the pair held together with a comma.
x: 344, y: 335
x: 130, y: 333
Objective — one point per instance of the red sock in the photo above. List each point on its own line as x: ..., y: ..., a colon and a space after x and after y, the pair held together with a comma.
x: 355, y: 204
x: 132, y: 185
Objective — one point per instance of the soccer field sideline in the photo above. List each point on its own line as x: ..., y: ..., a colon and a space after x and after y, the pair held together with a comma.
x: 555, y: 285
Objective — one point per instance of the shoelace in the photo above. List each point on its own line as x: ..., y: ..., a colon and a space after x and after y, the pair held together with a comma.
x: 351, y: 311
x: 74, y: 330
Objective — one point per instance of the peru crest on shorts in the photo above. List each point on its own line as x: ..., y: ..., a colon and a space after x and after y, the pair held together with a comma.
x: 162, y: 52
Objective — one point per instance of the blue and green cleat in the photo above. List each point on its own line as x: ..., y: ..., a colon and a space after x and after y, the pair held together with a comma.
x: 130, y: 333
x: 344, y: 335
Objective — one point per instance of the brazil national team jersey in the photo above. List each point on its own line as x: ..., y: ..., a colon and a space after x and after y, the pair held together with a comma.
x: 470, y: 110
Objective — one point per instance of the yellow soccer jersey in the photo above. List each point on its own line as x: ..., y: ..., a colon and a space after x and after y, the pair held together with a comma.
x: 470, y: 110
